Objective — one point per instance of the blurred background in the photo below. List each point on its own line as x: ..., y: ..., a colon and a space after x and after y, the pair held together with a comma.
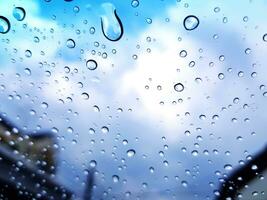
x: 132, y: 99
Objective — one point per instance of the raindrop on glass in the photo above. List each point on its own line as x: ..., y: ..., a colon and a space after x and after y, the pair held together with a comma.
x: 228, y: 167
x: 135, y: 3
x: 4, y: 25
x: 19, y: 13
x: 191, y: 22
x: 179, y: 87
x: 28, y: 53
x: 115, y: 178
x: 111, y: 24
x: 104, y: 129
x: 130, y: 153
x: 85, y: 95
x: 93, y: 163
x: 91, y: 64
x: 70, y: 43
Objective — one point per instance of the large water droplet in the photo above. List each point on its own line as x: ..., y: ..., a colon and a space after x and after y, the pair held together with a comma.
x: 4, y: 25
x: 191, y: 22
x: 111, y: 24
x: 228, y: 167
x: 135, y: 3
x: 91, y: 64
x: 179, y: 87
x: 93, y: 163
x: 105, y: 129
x: 115, y: 178
x: 19, y: 13
x: 70, y: 43
x: 130, y: 152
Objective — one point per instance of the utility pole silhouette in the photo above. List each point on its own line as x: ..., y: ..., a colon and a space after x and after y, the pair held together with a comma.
x: 89, y: 185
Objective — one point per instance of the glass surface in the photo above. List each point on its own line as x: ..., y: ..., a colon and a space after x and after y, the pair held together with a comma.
x: 132, y: 99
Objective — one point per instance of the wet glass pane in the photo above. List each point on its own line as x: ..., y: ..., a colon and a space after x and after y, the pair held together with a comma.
x: 133, y: 99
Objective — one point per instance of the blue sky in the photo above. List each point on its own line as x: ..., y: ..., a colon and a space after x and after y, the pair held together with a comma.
x: 119, y: 83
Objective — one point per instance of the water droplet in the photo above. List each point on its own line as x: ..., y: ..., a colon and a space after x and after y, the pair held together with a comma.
x: 149, y: 20
x: 85, y: 95
x: 27, y: 71
x: 184, y: 183
x: 111, y: 24
x: 228, y: 167
x: 183, y: 53
x: 4, y: 25
x: 104, y: 129
x: 254, y: 167
x: 76, y: 9
x: 70, y: 43
x: 125, y: 142
x: 36, y: 39
x: 115, y: 178
x: 44, y: 105
x: 194, y: 152
x: 19, y: 13
x: 93, y: 163
x: 91, y: 64
x: 179, y: 87
x: 255, y: 193
x: 19, y: 163
x: 92, y: 30
x: 135, y: 3
x: 130, y: 153
x: 28, y: 53
x: 151, y: 169
x: 221, y: 76
x: 191, y: 22
x: 217, y: 9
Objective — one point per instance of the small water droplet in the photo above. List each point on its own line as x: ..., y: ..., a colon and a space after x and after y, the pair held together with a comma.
x: 76, y: 9
x: 4, y: 25
x: 254, y: 167
x: 130, y: 153
x: 27, y: 71
x: 151, y: 169
x: 91, y: 64
x: 19, y: 163
x: 19, y: 13
x: 36, y: 39
x: 191, y: 22
x: 149, y: 20
x: 92, y: 30
x: 111, y: 24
